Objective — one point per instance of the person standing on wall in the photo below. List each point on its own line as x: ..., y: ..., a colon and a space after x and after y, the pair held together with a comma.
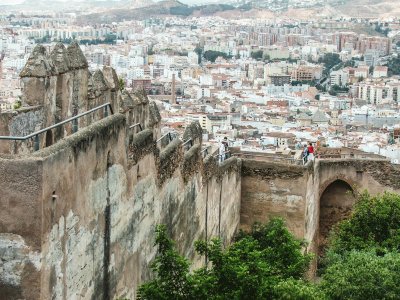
x: 222, y: 150
x: 305, y: 154
x: 310, y: 150
x: 225, y: 142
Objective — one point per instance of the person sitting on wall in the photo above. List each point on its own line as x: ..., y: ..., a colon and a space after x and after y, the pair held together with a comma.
x: 310, y: 149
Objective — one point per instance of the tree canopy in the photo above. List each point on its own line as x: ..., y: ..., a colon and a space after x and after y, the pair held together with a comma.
x: 362, y: 261
x: 374, y: 224
x: 211, y: 55
x: 394, y: 66
x: 362, y: 275
x: 266, y: 263
x: 329, y: 60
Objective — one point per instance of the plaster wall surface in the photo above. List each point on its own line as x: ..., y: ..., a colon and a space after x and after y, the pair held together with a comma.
x: 20, y: 228
x: 272, y: 190
x: 19, y: 124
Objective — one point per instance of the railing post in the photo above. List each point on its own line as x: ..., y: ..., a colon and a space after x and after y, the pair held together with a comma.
x: 106, y: 111
x: 36, y: 142
x: 75, y: 125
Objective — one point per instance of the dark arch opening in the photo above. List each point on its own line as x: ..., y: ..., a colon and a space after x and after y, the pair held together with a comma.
x: 336, y: 203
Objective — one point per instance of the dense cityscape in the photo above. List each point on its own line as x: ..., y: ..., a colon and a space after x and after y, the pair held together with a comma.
x: 267, y: 84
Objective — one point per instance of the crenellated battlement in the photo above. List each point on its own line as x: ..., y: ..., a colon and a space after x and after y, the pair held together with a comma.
x: 57, y: 86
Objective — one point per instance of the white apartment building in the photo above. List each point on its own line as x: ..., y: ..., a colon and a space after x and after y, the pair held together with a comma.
x: 380, y: 71
x: 361, y: 72
x: 279, y: 68
x: 193, y: 117
x: 379, y: 91
x: 4, y: 105
x: 339, y: 77
x: 371, y: 57
x: 193, y: 58
x: 202, y: 92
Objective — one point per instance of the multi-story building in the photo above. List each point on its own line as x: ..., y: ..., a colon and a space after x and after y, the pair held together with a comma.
x: 307, y: 73
x: 380, y: 71
x: 141, y: 84
x: 193, y: 117
x: 279, y: 80
x: 218, y: 122
x: 378, y: 91
x: 353, y: 41
x: 339, y: 77
x: 371, y: 57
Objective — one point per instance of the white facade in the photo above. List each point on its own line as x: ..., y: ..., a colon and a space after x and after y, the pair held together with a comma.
x: 339, y: 77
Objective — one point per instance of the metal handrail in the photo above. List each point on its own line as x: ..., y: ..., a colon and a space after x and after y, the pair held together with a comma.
x: 167, y: 134
x: 204, y: 152
x: 135, y: 125
x: 205, y: 148
x: 23, y: 138
x: 187, y: 142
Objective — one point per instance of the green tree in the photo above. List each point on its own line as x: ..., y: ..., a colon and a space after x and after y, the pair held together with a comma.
x: 199, y: 52
x: 171, y: 269
x: 266, y: 57
x: 394, y: 66
x: 258, y: 55
x: 266, y: 263
x: 211, y: 55
x: 121, y: 83
x: 292, y: 289
x: 280, y: 249
x: 363, y: 275
x: 363, y: 260
x: 374, y: 224
x: 329, y: 60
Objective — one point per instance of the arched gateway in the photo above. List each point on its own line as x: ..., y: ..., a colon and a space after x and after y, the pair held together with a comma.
x: 336, y: 203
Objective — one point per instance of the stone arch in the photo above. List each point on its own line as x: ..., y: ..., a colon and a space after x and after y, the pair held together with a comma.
x: 336, y: 200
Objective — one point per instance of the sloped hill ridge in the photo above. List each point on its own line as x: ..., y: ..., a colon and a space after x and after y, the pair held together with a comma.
x: 333, y: 8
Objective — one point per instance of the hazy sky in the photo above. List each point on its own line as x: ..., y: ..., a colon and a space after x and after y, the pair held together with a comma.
x: 6, y: 2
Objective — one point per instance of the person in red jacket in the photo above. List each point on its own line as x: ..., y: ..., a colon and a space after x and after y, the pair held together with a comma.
x: 310, y: 149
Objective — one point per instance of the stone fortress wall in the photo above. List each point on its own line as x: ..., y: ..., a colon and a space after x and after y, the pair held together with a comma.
x: 77, y: 217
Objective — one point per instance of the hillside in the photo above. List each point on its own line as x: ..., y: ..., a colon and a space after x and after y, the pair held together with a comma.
x: 370, y: 8
x: 255, y: 9
x: 163, y: 8
x: 47, y: 5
